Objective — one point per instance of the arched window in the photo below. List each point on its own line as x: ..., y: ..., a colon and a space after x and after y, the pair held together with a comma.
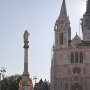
x: 76, y: 57
x: 72, y: 57
x: 81, y: 57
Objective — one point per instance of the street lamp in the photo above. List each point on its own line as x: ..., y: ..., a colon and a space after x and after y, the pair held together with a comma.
x: 3, y: 70
x: 35, y: 78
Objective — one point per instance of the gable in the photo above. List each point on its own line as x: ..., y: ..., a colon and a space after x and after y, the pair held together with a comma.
x: 75, y: 41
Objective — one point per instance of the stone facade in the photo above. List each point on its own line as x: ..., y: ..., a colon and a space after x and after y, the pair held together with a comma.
x: 70, y: 64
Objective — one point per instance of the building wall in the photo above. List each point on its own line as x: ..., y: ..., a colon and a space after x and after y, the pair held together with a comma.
x: 62, y: 70
x: 64, y: 74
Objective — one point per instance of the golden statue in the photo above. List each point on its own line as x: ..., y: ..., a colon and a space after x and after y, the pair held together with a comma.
x: 25, y: 36
x: 30, y: 84
x: 20, y: 84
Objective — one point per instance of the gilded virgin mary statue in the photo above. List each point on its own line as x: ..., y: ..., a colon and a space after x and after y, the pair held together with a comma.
x: 25, y: 36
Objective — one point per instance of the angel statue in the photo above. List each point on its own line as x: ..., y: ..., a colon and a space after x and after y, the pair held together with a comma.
x: 20, y: 84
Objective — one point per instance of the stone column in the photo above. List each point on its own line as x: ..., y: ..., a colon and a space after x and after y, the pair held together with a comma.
x: 26, y: 46
x: 25, y: 75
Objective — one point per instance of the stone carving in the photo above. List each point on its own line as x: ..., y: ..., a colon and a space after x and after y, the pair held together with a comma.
x: 30, y: 84
x: 25, y: 36
x: 20, y: 84
x: 76, y: 70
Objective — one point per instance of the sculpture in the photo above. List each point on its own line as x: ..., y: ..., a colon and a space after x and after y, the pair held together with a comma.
x: 25, y: 36
x: 20, y: 84
x: 30, y: 84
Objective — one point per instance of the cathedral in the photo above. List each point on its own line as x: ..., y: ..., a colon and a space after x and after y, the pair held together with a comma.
x: 70, y: 64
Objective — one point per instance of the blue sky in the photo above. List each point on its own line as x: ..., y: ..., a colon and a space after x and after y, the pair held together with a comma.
x: 38, y: 17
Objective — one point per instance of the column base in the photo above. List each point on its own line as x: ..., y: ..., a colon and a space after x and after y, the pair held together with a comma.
x: 25, y: 88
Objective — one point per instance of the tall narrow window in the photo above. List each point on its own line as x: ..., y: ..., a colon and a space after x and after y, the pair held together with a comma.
x: 72, y: 57
x: 76, y: 57
x: 81, y: 57
x: 59, y: 38
x: 56, y: 39
x: 62, y: 38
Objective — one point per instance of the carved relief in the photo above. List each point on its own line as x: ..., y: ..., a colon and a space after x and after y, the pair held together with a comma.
x: 76, y: 70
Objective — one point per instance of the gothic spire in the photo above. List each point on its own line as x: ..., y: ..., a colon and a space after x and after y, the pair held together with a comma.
x: 63, y: 12
x: 88, y: 6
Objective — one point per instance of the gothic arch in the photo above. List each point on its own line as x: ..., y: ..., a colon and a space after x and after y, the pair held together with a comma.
x: 76, y: 86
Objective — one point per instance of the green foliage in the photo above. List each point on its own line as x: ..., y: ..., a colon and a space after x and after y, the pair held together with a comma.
x: 47, y: 86
x: 10, y: 82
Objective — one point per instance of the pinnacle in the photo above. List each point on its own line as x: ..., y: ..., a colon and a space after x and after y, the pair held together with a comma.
x: 63, y: 11
x: 88, y: 6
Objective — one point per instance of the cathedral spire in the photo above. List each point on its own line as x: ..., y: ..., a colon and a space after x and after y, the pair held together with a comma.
x: 63, y: 12
x: 88, y: 6
x: 86, y: 23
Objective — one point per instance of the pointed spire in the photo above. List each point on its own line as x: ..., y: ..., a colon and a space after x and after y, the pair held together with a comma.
x: 76, y: 33
x: 63, y: 12
x: 88, y: 6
